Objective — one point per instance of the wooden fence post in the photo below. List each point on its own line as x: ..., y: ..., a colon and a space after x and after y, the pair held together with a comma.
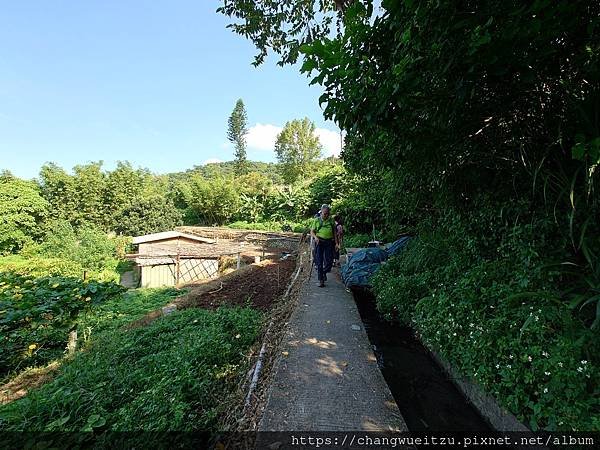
x: 177, y: 268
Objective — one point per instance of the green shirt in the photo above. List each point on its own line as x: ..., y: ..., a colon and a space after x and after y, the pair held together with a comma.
x: 323, y: 228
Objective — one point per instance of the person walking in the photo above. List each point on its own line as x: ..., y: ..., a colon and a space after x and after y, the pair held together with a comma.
x: 324, y: 234
x: 339, y: 231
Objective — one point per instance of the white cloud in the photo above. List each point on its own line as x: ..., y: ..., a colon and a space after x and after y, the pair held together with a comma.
x: 212, y: 161
x: 263, y: 137
x: 330, y: 140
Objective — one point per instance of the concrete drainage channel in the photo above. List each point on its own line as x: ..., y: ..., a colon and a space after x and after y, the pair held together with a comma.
x: 427, y: 399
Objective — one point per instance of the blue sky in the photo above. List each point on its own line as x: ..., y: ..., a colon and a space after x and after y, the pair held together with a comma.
x: 151, y: 82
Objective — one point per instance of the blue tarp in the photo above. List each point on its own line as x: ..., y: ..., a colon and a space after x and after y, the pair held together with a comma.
x: 396, y: 246
x: 364, y: 263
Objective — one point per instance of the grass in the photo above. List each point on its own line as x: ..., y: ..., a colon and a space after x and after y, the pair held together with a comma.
x: 176, y: 374
x: 131, y: 306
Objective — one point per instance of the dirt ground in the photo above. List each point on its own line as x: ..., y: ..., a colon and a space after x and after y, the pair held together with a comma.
x: 258, y: 285
x: 30, y: 379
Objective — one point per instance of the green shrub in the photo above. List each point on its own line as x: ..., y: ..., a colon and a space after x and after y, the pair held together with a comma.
x: 38, y: 266
x: 356, y: 240
x: 526, y: 349
x: 430, y: 260
x: 269, y: 226
x: 303, y: 226
x: 175, y: 374
x: 89, y: 246
x: 478, y: 291
x: 259, y: 226
x: 147, y: 214
x: 36, y: 315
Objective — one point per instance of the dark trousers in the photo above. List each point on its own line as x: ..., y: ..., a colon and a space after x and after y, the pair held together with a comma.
x: 324, y: 257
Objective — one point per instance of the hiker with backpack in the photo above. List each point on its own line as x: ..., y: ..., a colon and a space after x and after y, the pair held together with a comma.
x: 323, y: 232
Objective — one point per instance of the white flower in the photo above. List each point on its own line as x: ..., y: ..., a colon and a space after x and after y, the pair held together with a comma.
x: 545, y: 354
x: 584, y: 362
x: 547, y: 373
x: 545, y: 390
x: 529, y: 358
x: 580, y: 369
x: 497, y: 366
x: 511, y: 356
x: 509, y: 366
x: 454, y: 334
x: 537, y: 318
x: 560, y: 364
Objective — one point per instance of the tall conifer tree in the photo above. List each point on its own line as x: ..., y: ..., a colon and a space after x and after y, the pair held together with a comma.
x: 236, y: 133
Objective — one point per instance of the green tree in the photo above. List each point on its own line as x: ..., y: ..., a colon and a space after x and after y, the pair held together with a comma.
x: 283, y: 26
x: 90, y: 185
x: 329, y: 184
x: 59, y: 190
x: 122, y: 185
x: 147, y: 214
x: 78, y: 198
x: 236, y: 133
x: 212, y: 201
x: 297, y: 148
x: 22, y: 209
x: 289, y: 202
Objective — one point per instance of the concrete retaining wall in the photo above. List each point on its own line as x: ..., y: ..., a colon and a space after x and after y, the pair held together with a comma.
x: 499, y: 418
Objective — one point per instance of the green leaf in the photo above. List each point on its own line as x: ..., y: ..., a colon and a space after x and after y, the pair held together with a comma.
x: 309, y: 65
x: 578, y: 152
x: 58, y: 423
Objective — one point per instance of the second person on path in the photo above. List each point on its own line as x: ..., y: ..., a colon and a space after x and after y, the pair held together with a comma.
x: 323, y: 231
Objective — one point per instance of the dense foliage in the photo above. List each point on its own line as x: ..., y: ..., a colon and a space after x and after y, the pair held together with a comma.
x: 172, y: 375
x: 22, y: 209
x: 36, y: 315
x: 475, y: 126
x: 500, y: 316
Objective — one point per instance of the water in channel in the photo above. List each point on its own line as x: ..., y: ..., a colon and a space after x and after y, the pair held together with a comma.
x: 428, y: 400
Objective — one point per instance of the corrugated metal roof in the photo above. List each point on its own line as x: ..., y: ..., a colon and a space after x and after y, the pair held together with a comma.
x: 170, y: 235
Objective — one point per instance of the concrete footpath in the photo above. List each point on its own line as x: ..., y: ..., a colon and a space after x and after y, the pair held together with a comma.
x: 326, y: 377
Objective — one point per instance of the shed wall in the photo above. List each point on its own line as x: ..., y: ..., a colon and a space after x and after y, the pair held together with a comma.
x: 158, y: 276
x: 189, y: 270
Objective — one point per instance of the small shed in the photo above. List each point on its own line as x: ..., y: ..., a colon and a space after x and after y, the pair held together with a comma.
x: 172, y: 257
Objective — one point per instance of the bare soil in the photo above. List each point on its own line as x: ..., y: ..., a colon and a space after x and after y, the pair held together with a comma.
x: 257, y: 285
x: 25, y: 381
